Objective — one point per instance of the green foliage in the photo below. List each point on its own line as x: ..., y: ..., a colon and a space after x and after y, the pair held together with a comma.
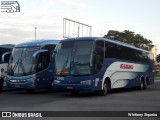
x: 157, y: 77
x: 131, y: 38
x: 158, y: 58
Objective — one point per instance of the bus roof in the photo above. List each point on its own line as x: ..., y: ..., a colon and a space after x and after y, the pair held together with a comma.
x: 37, y: 43
x: 8, y: 46
x: 108, y: 40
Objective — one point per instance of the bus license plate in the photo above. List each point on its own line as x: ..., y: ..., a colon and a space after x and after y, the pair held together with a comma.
x: 70, y: 88
x: 17, y: 86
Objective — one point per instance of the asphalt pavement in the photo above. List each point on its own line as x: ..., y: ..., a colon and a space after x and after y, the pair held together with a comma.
x: 116, y: 100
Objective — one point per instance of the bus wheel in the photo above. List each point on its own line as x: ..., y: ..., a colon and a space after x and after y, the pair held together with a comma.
x: 1, y: 84
x: 30, y: 90
x: 104, y: 92
x: 75, y: 92
x: 50, y: 89
x: 1, y: 88
x: 143, y: 84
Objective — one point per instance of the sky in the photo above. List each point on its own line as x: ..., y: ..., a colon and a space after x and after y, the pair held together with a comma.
x: 139, y: 16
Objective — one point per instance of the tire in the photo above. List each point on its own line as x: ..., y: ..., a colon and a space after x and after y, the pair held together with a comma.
x: 50, y: 90
x: 1, y: 84
x: 143, y: 85
x: 75, y: 92
x: 1, y: 88
x: 104, y: 92
x: 30, y: 90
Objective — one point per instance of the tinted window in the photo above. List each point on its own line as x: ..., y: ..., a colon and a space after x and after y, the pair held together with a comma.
x: 50, y: 47
x: 121, y: 52
x: 110, y: 50
x: 43, y: 61
x: 99, y: 55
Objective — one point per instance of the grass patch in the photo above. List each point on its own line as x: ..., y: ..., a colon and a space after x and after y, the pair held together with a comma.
x: 157, y: 77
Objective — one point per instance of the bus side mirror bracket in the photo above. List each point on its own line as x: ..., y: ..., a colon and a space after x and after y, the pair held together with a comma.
x: 4, y: 55
x: 55, y: 52
x: 37, y: 53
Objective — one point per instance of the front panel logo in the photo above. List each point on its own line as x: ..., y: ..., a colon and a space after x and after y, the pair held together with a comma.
x: 126, y: 66
x: 10, y: 6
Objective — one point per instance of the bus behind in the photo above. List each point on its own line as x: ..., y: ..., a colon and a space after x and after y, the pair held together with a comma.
x: 5, y: 52
x: 30, y: 66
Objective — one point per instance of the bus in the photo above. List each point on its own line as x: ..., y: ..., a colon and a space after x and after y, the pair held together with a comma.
x: 101, y: 64
x: 30, y: 65
x: 5, y: 52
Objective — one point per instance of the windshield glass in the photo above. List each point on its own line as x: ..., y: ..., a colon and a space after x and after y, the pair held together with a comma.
x: 21, y: 61
x: 73, y: 58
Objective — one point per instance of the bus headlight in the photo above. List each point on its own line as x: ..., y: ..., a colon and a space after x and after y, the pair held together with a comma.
x: 18, y: 81
x: 14, y: 81
x: 31, y: 79
x: 56, y: 81
x: 86, y: 82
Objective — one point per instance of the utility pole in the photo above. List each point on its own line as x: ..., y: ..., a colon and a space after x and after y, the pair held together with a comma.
x: 35, y: 32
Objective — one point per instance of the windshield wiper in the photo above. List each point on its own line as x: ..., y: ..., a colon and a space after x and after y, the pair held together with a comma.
x: 15, y: 66
x: 18, y: 62
x: 22, y: 66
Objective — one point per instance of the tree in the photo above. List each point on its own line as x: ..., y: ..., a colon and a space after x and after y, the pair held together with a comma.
x: 131, y: 38
x: 158, y: 58
x: 157, y: 66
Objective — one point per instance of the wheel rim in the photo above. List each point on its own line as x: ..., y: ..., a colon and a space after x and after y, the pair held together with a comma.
x: 142, y: 85
x: 105, y: 89
x: 145, y: 84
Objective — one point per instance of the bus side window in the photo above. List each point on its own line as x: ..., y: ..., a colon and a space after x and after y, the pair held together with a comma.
x: 43, y: 61
x: 98, y: 56
x: 50, y: 48
x: 110, y: 50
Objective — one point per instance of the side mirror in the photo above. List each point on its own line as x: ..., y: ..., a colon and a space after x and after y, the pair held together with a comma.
x: 6, y: 56
x: 37, y: 53
x: 54, y: 52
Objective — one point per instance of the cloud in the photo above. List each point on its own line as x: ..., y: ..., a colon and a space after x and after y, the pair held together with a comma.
x: 72, y: 4
x: 19, y: 28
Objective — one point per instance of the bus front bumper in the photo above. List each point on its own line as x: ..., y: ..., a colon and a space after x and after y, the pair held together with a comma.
x: 26, y: 85
x: 79, y: 87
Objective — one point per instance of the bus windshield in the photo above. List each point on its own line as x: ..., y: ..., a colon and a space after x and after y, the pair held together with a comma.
x: 21, y: 62
x: 73, y: 58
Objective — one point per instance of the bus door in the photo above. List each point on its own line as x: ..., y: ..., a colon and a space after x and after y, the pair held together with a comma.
x: 98, y: 59
x: 42, y: 64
